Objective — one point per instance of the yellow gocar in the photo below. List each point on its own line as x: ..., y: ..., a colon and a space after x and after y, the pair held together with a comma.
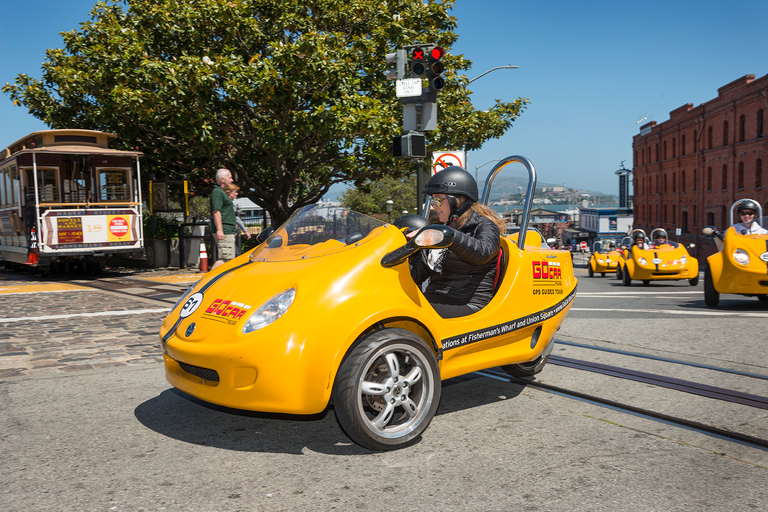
x: 606, y: 258
x: 739, y: 267
x: 668, y: 261
x: 326, y: 309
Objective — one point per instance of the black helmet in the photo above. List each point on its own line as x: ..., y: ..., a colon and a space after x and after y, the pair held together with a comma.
x: 747, y: 204
x: 453, y: 180
x: 657, y: 233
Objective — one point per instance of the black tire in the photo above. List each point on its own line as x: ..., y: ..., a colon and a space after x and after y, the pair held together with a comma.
x: 625, y: 277
x: 762, y: 298
x: 646, y: 282
x: 387, y: 390
x: 602, y: 274
x: 618, y: 273
x: 530, y: 368
x: 694, y: 281
x: 711, y: 296
x: 590, y: 271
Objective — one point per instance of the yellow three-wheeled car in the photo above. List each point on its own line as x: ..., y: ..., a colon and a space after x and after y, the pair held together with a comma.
x: 326, y: 308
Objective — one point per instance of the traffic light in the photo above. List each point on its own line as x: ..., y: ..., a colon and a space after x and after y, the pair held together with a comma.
x: 418, y: 62
x: 409, y: 145
x: 397, y: 65
x: 435, y: 68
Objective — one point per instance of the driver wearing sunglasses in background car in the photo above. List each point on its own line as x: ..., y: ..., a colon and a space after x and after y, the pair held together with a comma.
x: 747, y: 225
x: 460, y: 278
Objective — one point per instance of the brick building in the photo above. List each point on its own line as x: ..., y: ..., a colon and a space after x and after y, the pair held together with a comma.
x: 689, y: 170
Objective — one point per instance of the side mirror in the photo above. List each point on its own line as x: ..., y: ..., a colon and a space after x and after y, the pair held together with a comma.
x: 691, y: 246
x: 265, y: 233
x: 435, y: 236
x: 709, y: 230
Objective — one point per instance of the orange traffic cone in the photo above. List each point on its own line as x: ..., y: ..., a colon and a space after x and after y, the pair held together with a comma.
x: 203, y: 258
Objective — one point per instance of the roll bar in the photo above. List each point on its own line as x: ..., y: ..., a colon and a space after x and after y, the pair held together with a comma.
x: 528, y: 195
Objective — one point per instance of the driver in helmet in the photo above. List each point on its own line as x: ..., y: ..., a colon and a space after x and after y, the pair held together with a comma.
x: 659, y: 237
x: 747, y: 212
x: 459, y: 278
x: 639, y: 241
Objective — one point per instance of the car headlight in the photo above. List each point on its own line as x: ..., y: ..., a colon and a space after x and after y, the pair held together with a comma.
x: 270, y: 311
x: 642, y: 261
x: 600, y: 262
x: 741, y: 257
x: 683, y: 260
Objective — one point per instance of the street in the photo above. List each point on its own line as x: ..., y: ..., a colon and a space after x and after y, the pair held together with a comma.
x: 88, y: 421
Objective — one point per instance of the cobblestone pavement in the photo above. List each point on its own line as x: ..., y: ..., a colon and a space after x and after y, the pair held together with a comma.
x: 58, y: 324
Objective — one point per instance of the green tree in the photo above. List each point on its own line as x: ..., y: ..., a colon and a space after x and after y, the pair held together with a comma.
x: 289, y: 95
x: 371, y: 198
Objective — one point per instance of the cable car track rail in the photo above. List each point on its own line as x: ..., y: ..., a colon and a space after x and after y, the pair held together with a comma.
x: 737, y: 437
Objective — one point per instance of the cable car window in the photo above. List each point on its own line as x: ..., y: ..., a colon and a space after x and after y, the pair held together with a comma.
x: 47, y: 187
x: 113, y: 185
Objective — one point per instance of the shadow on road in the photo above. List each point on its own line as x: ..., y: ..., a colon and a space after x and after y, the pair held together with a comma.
x: 177, y: 415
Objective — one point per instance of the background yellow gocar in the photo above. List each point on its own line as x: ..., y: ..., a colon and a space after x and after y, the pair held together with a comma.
x: 326, y: 308
x: 669, y: 261
x: 606, y: 258
x: 741, y: 264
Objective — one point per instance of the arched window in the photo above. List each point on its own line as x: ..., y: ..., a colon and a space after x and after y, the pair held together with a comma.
x: 710, y: 218
x: 709, y: 138
x: 682, y: 145
x: 709, y: 178
x: 684, y: 222
x: 740, y: 177
x: 759, y: 173
x: 725, y: 133
x: 725, y: 176
x: 695, y: 180
x: 695, y: 140
x: 674, y: 148
x: 741, y: 128
x: 665, y: 150
x: 760, y: 123
x: 682, y: 182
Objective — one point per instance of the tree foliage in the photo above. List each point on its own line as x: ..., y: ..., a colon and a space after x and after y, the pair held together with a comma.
x: 289, y: 95
x: 371, y: 198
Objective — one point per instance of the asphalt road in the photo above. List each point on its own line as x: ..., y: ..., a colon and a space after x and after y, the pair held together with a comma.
x: 88, y: 422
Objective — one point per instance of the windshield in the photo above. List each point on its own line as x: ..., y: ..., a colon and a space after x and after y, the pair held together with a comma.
x: 318, y: 230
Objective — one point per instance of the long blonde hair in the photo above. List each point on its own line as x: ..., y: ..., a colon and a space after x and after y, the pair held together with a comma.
x: 483, y: 210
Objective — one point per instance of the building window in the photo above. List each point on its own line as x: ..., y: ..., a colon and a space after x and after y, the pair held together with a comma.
x: 682, y: 145
x: 695, y: 140
x: 709, y: 178
x: 665, y: 184
x: 723, y: 219
x: 725, y: 176
x: 685, y: 222
x: 741, y: 128
x: 674, y: 148
x: 657, y: 151
x: 725, y: 133
x: 710, y: 218
x: 695, y: 180
x: 760, y: 123
x: 665, y: 150
x: 740, y: 177
x: 682, y: 182
x: 709, y: 138
x: 759, y: 173
x: 674, y: 184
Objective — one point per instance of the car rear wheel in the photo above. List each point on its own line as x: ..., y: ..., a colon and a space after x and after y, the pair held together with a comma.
x: 694, y: 281
x: 590, y: 271
x: 625, y: 277
x: 618, y: 272
x: 762, y: 298
x: 711, y: 296
x: 387, y: 390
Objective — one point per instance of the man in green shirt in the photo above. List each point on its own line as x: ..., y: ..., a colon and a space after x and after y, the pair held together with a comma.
x: 223, y: 214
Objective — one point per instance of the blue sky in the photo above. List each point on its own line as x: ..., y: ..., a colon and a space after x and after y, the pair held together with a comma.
x: 590, y: 68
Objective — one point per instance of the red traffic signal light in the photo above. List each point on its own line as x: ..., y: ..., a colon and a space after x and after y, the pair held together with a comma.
x: 436, y: 68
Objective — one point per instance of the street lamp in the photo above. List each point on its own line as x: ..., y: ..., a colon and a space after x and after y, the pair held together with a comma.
x: 486, y: 163
x: 492, y: 69
x: 390, y: 204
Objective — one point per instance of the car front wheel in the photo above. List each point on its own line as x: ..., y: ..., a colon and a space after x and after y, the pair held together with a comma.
x: 387, y: 390
x: 711, y: 296
x: 625, y: 279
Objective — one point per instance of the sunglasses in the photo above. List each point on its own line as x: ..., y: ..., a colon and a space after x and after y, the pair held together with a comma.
x: 436, y: 201
x: 747, y: 212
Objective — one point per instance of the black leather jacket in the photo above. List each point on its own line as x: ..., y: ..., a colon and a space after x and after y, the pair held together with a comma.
x: 468, y: 269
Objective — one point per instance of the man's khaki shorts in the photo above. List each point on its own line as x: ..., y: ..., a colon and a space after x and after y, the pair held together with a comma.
x: 226, y: 247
